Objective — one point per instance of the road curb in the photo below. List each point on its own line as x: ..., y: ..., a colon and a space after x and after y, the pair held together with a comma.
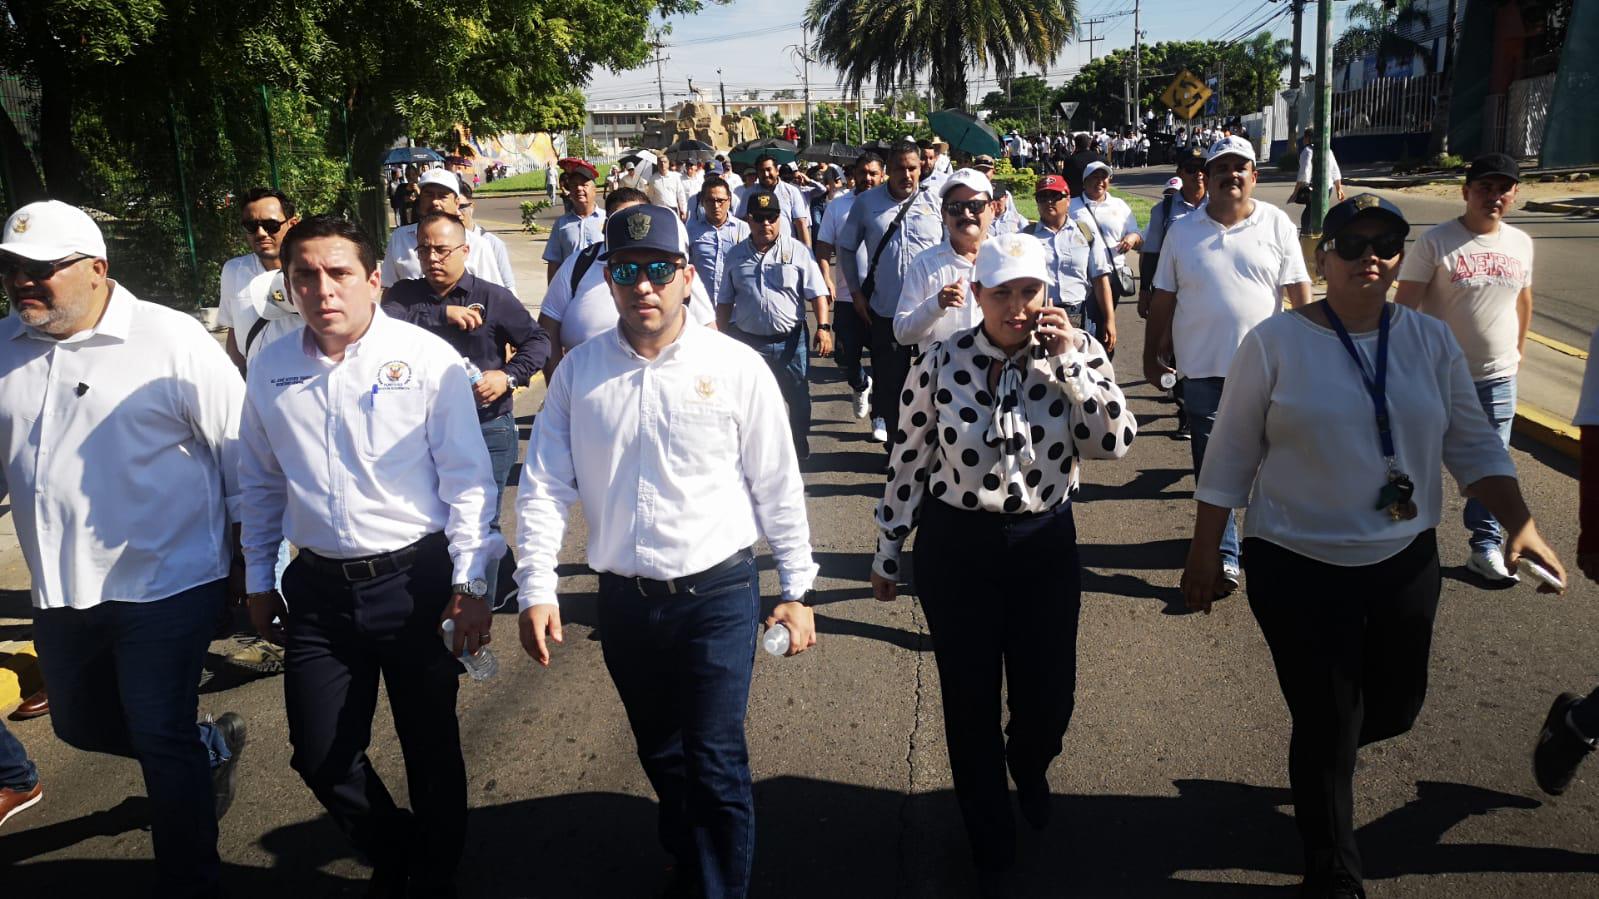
x: 1561, y: 208
x: 1549, y: 429
x: 19, y: 674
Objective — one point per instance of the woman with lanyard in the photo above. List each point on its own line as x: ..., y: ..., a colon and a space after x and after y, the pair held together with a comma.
x: 1337, y: 416
x: 993, y: 421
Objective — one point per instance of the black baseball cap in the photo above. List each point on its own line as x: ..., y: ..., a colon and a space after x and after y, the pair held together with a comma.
x: 1191, y: 154
x: 1493, y: 164
x: 763, y: 200
x: 644, y: 227
x: 1339, y: 217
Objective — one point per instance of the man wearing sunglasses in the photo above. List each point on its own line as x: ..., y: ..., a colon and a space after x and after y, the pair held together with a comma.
x: 937, y: 300
x: 441, y: 191
x: 673, y: 438
x: 1171, y: 208
x: 761, y: 302
x: 266, y: 215
x: 119, y: 425
x: 1079, y: 273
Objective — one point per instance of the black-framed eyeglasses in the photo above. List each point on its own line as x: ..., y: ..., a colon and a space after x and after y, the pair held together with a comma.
x: 270, y: 226
x: 427, y: 251
x: 1351, y: 247
x: 36, y: 269
x: 660, y: 272
x: 974, y: 208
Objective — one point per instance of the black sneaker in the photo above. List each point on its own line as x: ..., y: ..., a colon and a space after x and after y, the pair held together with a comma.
x: 1033, y: 800
x: 1344, y: 886
x: 1559, y: 750
x: 224, y: 783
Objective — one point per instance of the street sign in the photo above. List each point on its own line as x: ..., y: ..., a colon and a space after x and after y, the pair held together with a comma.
x: 1186, y: 95
x: 1068, y: 108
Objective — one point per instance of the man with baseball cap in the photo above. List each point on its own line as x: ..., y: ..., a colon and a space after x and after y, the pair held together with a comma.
x: 584, y: 221
x: 1184, y: 195
x: 440, y: 192
x: 936, y: 299
x: 1475, y: 272
x: 673, y: 438
x: 1223, y: 270
x: 119, y: 423
x: 1079, y: 273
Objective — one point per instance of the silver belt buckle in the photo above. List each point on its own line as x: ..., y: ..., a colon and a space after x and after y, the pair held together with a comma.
x: 358, y: 564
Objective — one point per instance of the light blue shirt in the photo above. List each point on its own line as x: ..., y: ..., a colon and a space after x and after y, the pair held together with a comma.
x: 768, y: 290
x: 572, y: 234
x: 1073, y: 260
x: 869, y: 218
x: 1155, y: 234
x: 708, y: 247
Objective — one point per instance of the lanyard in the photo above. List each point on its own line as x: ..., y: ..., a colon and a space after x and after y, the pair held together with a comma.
x: 1376, y: 385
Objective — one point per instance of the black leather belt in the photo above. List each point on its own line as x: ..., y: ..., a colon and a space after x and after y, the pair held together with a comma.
x: 686, y: 584
x: 368, y: 567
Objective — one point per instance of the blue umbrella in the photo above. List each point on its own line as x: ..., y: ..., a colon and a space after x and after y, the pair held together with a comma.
x: 408, y: 155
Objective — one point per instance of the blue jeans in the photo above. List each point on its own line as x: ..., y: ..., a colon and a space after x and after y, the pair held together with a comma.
x: 499, y: 434
x: 1498, y: 397
x: 16, y: 769
x: 682, y: 667
x: 1201, y: 398
x: 124, y: 680
x: 788, y: 356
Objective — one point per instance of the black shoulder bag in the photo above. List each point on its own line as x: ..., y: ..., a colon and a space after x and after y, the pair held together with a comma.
x: 869, y: 283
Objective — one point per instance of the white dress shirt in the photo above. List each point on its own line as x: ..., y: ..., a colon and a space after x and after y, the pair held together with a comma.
x: 121, y: 454
x: 501, y: 254
x: 679, y: 463
x: 401, y: 263
x: 591, y: 311
x: 364, y: 456
x: 237, y: 273
x: 920, y: 318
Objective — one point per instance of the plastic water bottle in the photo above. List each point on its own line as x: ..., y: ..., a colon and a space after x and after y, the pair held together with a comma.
x: 776, y: 640
x: 473, y: 373
x: 482, y: 664
x: 1168, y: 380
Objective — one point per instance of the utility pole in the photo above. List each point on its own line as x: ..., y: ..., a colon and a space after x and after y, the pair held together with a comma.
x: 1293, y: 70
x: 1091, y: 40
x: 721, y: 88
x: 810, y: 120
x: 1320, y: 182
x: 1138, y: 82
x: 860, y: 115
x: 660, y: 85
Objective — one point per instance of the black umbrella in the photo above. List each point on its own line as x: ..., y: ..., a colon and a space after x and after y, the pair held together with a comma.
x: 831, y: 151
x: 407, y: 155
x: 688, y: 148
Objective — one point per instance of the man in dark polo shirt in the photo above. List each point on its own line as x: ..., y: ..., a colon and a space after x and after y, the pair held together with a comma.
x: 478, y: 319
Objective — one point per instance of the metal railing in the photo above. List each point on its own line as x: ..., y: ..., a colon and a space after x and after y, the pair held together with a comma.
x: 1386, y: 106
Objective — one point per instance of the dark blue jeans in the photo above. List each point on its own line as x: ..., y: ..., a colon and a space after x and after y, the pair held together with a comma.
x: 682, y: 667
x: 124, y: 680
x: 499, y: 434
x: 1498, y: 398
x: 16, y: 769
x: 788, y: 356
x: 1201, y: 399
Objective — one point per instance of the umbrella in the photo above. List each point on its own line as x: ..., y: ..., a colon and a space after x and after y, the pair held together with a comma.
x: 966, y: 133
x: 749, y: 151
x: 406, y: 155
x: 690, y: 149
x: 831, y: 151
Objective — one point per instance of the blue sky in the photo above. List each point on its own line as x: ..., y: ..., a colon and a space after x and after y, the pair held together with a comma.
x: 750, y: 41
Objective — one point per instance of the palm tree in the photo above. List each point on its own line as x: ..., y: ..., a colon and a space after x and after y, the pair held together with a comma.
x: 1262, y: 58
x: 887, y: 41
x: 1373, y: 28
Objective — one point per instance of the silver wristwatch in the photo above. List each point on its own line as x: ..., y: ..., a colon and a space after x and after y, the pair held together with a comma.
x: 476, y: 587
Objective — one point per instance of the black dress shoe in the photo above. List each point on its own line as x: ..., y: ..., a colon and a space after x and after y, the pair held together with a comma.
x: 1033, y: 799
x: 224, y: 780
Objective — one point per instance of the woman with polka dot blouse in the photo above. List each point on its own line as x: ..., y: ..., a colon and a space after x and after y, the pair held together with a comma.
x: 992, y: 423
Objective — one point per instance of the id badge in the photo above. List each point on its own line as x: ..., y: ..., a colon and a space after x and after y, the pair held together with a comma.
x: 1074, y: 314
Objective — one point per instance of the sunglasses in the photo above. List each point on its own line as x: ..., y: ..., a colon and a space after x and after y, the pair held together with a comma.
x: 764, y: 216
x: 1051, y: 197
x: 973, y: 208
x: 1351, y: 247
x: 34, y: 269
x: 270, y: 226
x: 1193, y: 169
x: 659, y: 272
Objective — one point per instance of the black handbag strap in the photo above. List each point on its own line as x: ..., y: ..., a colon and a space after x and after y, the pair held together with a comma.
x: 255, y: 331
x: 882, y: 243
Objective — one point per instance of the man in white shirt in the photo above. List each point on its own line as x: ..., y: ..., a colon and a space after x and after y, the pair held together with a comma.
x: 441, y: 192
x: 931, y: 175
x: 853, y: 333
x: 1306, y: 179
x: 119, y: 421
x: 673, y: 438
x: 1223, y: 270
x: 936, y: 299
x: 266, y: 214
x: 666, y: 188
x: 1475, y: 273
x: 796, y: 220
x: 497, y: 248
x: 360, y: 445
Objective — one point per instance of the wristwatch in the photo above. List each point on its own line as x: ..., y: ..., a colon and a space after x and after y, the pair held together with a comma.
x: 824, y: 327
x: 476, y: 587
x: 510, y: 382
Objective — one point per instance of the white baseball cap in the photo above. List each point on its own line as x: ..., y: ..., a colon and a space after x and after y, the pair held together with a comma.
x: 51, y: 230
x: 1174, y: 184
x: 1006, y: 257
x: 1095, y: 166
x: 971, y: 178
x: 442, y: 178
x: 1231, y: 145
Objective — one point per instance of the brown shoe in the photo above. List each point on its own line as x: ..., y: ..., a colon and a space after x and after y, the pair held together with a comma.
x: 35, y: 706
x: 13, y: 801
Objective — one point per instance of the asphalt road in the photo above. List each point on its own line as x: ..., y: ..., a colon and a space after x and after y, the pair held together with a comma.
x: 1173, y: 781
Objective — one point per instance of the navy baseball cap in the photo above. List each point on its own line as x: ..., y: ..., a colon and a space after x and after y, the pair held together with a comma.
x: 763, y: 200
x: 1339, y: 217
x: 644, y: 227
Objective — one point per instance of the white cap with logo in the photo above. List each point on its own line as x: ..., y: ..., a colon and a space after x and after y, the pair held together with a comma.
x: 51, y: 230
x: 1231, y: 145
x: 442, y: 178
x: 971, y: 178
x: 1006, y: 257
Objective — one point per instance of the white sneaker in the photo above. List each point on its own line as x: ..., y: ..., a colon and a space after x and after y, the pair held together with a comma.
x: 1490, y: 563
x: 863, y: 399
x: 879, y: 430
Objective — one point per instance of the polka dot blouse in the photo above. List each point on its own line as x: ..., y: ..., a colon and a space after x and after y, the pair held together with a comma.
x: 981, y: 430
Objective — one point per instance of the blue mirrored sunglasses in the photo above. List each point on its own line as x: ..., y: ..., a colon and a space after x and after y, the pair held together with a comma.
x: 659, y: 272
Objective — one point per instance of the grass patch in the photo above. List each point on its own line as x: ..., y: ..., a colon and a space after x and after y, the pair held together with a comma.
x: 533, y: 181
x: 1141, y: 205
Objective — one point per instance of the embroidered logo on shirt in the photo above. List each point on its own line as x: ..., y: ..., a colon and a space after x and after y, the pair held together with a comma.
x: 394, y: 376
x: 705, y: 386
x: 638, y: 226
x: 20, y: 226
x: 290, y: 380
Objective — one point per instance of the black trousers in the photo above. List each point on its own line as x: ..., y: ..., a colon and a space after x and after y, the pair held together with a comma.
x: 341, y: 637
x: 891, y: 362
x: 852, y: 336
x: 1350, y: 645
x: 1002, y: 595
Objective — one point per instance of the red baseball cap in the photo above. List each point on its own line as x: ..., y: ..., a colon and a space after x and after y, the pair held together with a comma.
x: 578, y: 165
x: 1052, y: 183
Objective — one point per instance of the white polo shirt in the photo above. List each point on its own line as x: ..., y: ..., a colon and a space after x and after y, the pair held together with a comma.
x: 234, y: 296
x: 121, y: 454
x: 591, y: 311
x: 1227, y: 281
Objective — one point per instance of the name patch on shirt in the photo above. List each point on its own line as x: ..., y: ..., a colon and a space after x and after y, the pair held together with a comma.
x: 394, y: 376
x: 290, y: 380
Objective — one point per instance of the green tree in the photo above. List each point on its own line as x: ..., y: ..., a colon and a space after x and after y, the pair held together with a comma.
x: 887, y: 41
x: 1026, y: 99
x: 1373, y: 30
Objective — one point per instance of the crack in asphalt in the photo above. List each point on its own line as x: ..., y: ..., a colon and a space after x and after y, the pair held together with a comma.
x: 902, y: 878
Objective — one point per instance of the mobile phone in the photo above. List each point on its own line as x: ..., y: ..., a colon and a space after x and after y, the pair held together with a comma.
x: 1540, y: 573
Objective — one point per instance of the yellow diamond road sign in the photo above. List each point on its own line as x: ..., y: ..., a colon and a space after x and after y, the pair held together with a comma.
x: 1186, y: 95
